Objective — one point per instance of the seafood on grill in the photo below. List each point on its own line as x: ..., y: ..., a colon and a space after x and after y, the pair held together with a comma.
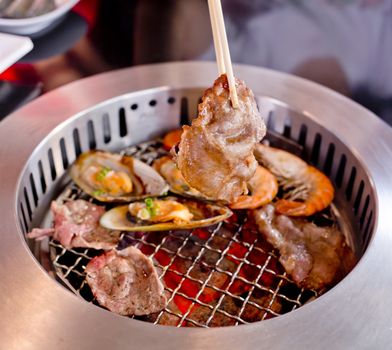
x: 262, y: 187
x: 307, y: 189
x: 169, y: 213
x: 76, y: 225
x: 215, y: 154
x: 169, y: 171
x: 314, y: 257
x: 110, y: 177
x: 171, y: 139
x: 126, y: 282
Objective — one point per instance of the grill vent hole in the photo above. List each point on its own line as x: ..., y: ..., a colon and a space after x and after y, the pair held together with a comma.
x: 92, y: 142
x: 153, y: 103
x: 303, y: 133
x: 287, y: 131
x: 314, y: 158
x: 134, y: 106
x: 329, y: 159
x: 364, y: 211
x: 287, y: 128
x: 51, y: 164
x: 368, y: 229
x: 358, y: 198
x: 341, y: 170
x: 42, y: 177
x: 64, y: 156
x: 76, y: 140
x: 271, y: 121
x: 22, y: 226
x: 107, y: 136
x: 26, y: 197
x: 122, y: 122
x: 171, y: 100
x: 351, y: 182
x: 184, y: 118
x: 23, y: 218
x: 34, y: 190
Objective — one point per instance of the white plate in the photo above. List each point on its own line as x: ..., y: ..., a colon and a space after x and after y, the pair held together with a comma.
x: 32, y: 25
x: 12, y: 48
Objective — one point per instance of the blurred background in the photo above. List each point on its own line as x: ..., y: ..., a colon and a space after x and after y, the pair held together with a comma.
x: 343, y: 44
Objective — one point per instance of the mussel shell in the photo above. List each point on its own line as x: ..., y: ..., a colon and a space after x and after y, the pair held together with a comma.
x: 204, y: 214
x: 146, y: 181
x: 167, y: 168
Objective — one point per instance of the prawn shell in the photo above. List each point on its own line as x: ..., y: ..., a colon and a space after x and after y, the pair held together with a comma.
x: 293, y: 171
x: 145, y: 180
x: 204, y: 214
x: 171, y: 139
x: 263, y: 187
x: 316, y: 202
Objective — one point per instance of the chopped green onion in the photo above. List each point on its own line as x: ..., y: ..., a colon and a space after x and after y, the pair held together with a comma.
x: 98, y: 193
x: 102, y: 173
x: 150, y: 206
x: 144, y: 214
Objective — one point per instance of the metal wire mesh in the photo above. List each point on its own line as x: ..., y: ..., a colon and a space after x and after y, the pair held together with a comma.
x: 225, y: 274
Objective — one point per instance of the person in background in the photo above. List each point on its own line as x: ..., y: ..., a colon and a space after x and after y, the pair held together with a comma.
x: 342, y: 44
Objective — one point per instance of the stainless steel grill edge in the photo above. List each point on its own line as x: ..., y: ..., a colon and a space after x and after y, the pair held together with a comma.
x: 39, y: 313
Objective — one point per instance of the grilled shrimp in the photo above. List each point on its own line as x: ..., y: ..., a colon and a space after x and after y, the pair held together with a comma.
x: 308, y: 189
x: 263, y: 187
x: 172, y: 138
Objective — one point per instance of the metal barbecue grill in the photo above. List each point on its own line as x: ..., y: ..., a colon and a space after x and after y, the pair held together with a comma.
x: 126, y: 110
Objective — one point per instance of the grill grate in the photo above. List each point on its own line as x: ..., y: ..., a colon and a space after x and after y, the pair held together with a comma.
x: 225, y: 274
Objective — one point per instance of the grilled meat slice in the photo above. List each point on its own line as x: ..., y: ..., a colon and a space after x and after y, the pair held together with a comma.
x: 126, y: 282
x: 76, y: 224
x: 314, y: 257
x: 216, y: 153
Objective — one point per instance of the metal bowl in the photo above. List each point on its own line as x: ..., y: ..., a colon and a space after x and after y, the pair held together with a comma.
x: 33, y: 25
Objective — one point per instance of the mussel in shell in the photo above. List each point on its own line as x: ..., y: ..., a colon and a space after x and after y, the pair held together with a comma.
x: 166, y: 167
x: 110, y: 177
x: 169, y: 213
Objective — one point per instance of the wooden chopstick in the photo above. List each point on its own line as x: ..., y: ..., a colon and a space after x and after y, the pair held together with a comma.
x: 216, y: 37
x: 222, y: 47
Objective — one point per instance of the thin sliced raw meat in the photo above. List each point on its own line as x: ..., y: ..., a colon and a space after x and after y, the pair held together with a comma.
x: 126, y: 282
x: 76, y: 224
x: 314, y: 257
